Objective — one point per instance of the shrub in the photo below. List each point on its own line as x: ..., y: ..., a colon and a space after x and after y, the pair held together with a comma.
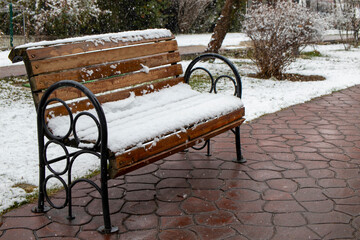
x: 277, y: 32
x: 346, y: 18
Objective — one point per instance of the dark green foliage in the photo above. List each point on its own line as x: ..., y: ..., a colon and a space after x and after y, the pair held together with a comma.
x: 133, y: 15
x: 121, y: 15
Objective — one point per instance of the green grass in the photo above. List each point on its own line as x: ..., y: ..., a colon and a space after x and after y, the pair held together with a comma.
x: 311, y: 54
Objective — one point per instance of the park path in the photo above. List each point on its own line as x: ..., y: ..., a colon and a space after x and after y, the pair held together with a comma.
x: 301, y: 181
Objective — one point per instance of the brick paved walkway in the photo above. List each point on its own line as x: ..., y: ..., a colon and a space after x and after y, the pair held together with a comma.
x: 301, y: 181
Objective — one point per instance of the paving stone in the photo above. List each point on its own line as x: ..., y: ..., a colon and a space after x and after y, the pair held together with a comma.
x: 173, y: 194
x: 263, y: 175
x: 288, y: 165
x: 322, y: 173
x: 283, y: 207
x: 61, y: 216
x: 97, y: 221
x: 95, y: 207
x: 206, y: 183
x: 33, y: 223
x: 242, y: 195
x: 195, y: 205
x: 213, y: 233
x: 176, y: 222
x: 140, y: 195
x: 286, y: 185
x: 168, y: 209
x: 283, y: 233
x: 248, y: 184
x: 239, y: 207
x: 216, y: 219
x: 330, y: 217
x: 57, y: 229
x: 294, y: 174
x: 310, y: 194
x: 114, y: 193
x: 177, y: 234
x: 255, y: 232
x: 94, y: 235
x: 233, y: 174
x: 148, y: 178
x: 23, y: 211
x: 306, y: 182
x: 207, y: 195
x: 333, y: 231
x: 319, y: 206
x: 173, y: 183
x: 141, y: 222
x: 355, y: 200
x: 272, y: 195
x: 289, y: 220
x: 141, y: 208
x: 13, y: 234
x: 339, y: 193
x: 352, y: 210
x: 261, y: 218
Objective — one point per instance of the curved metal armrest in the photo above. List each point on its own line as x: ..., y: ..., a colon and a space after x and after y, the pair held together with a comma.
x: 208, y: 56
x: 45, y: 101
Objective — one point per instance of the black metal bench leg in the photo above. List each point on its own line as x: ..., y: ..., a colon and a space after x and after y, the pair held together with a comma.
x: 41, y: 208
x: 239, y: 156
x: 208, y: 154
x: 107, y: 228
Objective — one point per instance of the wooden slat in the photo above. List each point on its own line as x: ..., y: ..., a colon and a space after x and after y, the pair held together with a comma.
x: 143, y: 156
x: 92, y: 58
x: 213, y: 124
x: 81, y: 47
x: 115, y: 83
x: 84, y: 105
x: 41, y: 82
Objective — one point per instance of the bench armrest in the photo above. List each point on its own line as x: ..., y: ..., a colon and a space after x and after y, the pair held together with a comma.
x: 100, y: 120
x: 235, y: 78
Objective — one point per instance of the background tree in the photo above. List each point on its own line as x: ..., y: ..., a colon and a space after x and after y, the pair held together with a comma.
x: 228, y: 13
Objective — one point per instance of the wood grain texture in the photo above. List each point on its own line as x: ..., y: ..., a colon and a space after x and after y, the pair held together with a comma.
x: 44, y: 81
x: 115, y: 83
x: 81, y: 47
x: 98, y: 57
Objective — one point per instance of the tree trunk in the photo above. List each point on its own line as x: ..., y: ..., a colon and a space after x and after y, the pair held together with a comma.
x: 223, y: 25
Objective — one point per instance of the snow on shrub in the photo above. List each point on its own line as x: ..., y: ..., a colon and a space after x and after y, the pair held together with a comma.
x: 61, y: 17
x: 277, y: 32
x: 346, y: 18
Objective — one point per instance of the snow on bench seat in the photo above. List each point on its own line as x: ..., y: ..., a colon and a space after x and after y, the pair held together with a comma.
x: 139, y: 119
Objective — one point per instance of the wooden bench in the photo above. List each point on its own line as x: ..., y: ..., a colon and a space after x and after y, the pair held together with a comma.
x: 121, y: 98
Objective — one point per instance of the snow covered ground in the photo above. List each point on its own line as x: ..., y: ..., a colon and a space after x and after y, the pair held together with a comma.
x: 18, y: 135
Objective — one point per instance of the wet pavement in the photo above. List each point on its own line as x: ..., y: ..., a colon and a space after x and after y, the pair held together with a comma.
x: 301, y: 181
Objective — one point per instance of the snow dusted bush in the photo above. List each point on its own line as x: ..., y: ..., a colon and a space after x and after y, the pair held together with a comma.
x: 277, y: 32
x: 346, y: 17
x: 61, y: 17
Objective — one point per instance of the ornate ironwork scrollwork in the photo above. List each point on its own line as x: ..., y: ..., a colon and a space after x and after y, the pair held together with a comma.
x: 234, y: 78
x: 99, y: 149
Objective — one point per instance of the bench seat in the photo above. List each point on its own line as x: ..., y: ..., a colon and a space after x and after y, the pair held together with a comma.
x: 140, y: 121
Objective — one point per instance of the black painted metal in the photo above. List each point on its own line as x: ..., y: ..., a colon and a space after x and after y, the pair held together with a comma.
x: 238, y: 92
x: 99, y: 149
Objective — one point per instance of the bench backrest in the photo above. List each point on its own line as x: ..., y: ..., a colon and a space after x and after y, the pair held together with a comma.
x: 103, y: 63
